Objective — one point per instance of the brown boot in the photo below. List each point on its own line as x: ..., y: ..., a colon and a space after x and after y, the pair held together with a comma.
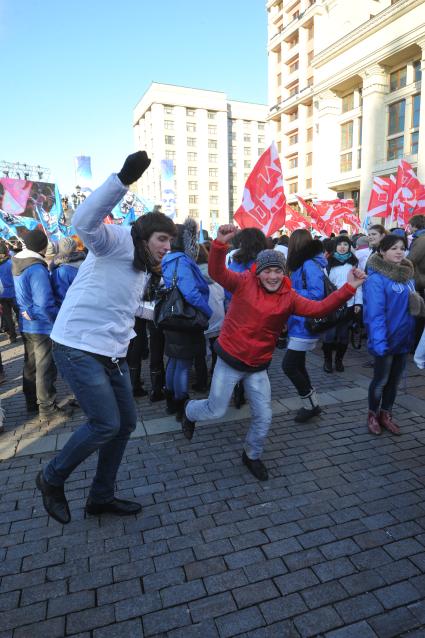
x: 386, y: 420
x: 373, y: 423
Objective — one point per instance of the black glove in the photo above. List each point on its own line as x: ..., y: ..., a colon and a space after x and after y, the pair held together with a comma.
x: 134, y: 167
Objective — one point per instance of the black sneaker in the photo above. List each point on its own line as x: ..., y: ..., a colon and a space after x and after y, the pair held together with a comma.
x: 256, y: 467
x: 304, y: 415
x: 188, y: 426
x: 117, y: 506
x: 54, y: 500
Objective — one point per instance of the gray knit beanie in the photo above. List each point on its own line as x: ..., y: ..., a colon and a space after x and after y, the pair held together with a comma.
x: 270, y: 259
x: 67, y: 245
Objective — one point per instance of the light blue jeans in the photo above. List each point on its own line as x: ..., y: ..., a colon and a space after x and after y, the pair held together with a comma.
x: 177, y: 377
x: 258, y: 393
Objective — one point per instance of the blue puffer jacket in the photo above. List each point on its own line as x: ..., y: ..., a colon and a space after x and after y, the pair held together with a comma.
x: 6, y: 279
x: 390, y: 326
x: 190, y: 281
x: 34, y: 293
x: 312, y: 262
x: 62, y: 278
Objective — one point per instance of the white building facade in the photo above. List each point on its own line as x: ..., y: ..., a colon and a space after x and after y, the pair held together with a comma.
x: 345, y: 91
x: 214, y: 143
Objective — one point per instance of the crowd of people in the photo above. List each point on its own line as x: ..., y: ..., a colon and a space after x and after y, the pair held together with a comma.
x: 96, y: 305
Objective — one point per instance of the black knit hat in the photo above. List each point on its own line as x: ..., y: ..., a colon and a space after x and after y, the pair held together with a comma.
x: 36, y: 240
x: 342, y: 239
x: 270, y: 259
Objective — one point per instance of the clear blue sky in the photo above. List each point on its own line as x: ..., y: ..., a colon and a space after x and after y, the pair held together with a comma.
x: 73, y: 70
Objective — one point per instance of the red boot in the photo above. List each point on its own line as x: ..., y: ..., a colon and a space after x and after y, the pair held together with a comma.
x: 386, y: 420
x: 373, y: 423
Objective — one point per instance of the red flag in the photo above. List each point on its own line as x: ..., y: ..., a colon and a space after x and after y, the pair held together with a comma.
x: 295, y: 220
x: 263, y: 203
x: 332, y: 213
x: 316, y: 222
x: 404, y: 201
x: 380, y: 197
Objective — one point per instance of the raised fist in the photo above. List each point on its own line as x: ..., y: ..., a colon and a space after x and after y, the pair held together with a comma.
x: 226, y: 233
x: 134, y: 167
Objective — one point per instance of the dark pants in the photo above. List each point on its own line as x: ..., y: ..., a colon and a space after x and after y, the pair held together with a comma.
x: 9, y: 307
x: 293, y: 365
x: 387, y: 373
x: 39, y: 374
x: 156, y: 352
x: 105, y: 395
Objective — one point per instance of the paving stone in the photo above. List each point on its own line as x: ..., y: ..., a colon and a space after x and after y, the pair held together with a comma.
x: 244, y: 557
x: 239, y: 622
x: 166, y: 620
x: 158, y: 580
x: 225, y: 581
x: 45, y: 591
x: 119, y: 591
x: 206, y: 629
x: 393, y: 623
x: 356, y: 630
x: 282, y: 608
x: 212, y: 606
x: 255, y: 593
x: 296, y: 581
x: 53, y: 628
x: 90, y: 619
x: 359, y: 607
x: 128, y: 629
x: 203, y: 568
x: 137, y: 606
x: 362, y: 582
x: 9, y: 600
x: 27, y: 615
x: 333, y: 569
x: 397, y: 595
x: 323, y: 594
x: 184, y: 593
x: 71, y: 602
x: 317, y: 621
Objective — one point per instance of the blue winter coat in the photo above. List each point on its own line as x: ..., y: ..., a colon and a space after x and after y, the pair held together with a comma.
x: 315, y: 289
x: 34, y: 293
x: 190, y: 281
x: 390, y: 326
x: 62, y: 278
x: 6, y: 280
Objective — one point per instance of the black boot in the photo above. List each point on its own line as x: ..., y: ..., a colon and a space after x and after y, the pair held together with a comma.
x: 157, y: 389
x: 188, y: 426
x: 180, y: 403
x: 170, y: 401
x: 136, y: 383
x: 310, y: 407
x: 341, y: 349
x: 327, y: 351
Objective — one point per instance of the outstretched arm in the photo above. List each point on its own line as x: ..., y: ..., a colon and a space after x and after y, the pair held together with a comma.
x: 308, y: 308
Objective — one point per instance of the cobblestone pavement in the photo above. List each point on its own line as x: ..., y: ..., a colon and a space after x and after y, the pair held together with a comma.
x: 333, y: 545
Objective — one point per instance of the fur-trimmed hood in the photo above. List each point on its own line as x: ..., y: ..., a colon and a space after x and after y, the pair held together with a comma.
x: 402, y: 273
x: 312, y: 250
x: 186, y: 240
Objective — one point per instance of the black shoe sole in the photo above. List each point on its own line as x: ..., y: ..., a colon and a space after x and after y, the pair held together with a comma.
x: 95, y: 512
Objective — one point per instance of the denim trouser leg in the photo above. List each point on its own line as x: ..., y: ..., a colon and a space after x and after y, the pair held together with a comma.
x: 387, y: 373
x: 106, y: 398
x: 177, y: 376
x: 258, y: 393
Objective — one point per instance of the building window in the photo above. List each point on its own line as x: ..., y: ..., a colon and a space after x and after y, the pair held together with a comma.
x: 170, y: 155
x: 395, y: 148
x: 261, y: 150
x: 293, y: 187
x: 310, y: 134
x: 212, y: 157
x: 293, y: 42
x: 246, y: 164
x: 293, y: 90
x: 309, y: 159
x: 169, y: 139
x: 247, y: 138
x: 193, y: 199
x: 191, y: 141
x: 192, y: 157
x: 398, y: 79
x: 308, y: 183
x: 247, y: 151
x: 414, y: 142
x: 169, y: 125
x: 192, y: 170
x: 346, y: 135
x: 168, y: 110
x: 193, y: 186
x: 190, y: 127
x: 260, y: 126
x: 211, y: 115
x: 213, y: 172
x: 396, y: 112
x: 348, y: 102
x: 213, y: 186
x: 293, y: 139
x: 190, y: 112
x: 212, y: 129
x: 293, y: 66
x: 416, y: 110
x: 212, y: 143
x: 293, y: 161
x: 213, y: 199
x: 417, y: 72
x: 193, y: 212
x: 246, y: 125
x: 346, y: 162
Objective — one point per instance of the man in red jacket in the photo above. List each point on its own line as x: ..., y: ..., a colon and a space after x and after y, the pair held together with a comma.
x: 261, y: 304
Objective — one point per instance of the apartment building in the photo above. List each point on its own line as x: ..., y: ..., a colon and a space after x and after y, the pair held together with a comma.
x: 212, y: 141
x: 345, y: 92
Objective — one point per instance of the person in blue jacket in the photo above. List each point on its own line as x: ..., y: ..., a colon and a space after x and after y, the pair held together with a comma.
x: 390, y: 327
x: 182, y: 347
x: 38, y: 310
x: 64, y: 267
x: 305, y: 263
x: 7, y: 292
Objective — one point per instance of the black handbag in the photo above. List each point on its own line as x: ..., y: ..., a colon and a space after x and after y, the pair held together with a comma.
x: 316, y: 325
x: 173, y: 312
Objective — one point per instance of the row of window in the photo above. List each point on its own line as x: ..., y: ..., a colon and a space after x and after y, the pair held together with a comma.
x: 193, y: 171
x: 246, y: 138
x: 190, y: 141
x: 194, y: 213
x: 190, y: 127
x: 169, y: 110
x: 293, y: 186
x: 193, y: 186
x: 194, y: 199
x: 192, y: 157
x: 293, y: 160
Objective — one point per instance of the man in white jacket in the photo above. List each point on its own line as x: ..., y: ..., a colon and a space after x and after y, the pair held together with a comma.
x: 91, y: 336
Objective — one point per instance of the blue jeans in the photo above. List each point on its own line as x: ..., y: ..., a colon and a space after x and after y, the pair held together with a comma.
x: 387, y: 373
x: 105, y: 395
x: 177, y: 377
x: 258, y: 393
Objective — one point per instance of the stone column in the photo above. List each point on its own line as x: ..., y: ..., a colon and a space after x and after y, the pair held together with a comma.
x: 375, y: 87
x: 421, y: 145
x: 326, y: 144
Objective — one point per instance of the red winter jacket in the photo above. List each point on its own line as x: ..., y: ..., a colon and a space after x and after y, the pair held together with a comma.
x: 255, y: 317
